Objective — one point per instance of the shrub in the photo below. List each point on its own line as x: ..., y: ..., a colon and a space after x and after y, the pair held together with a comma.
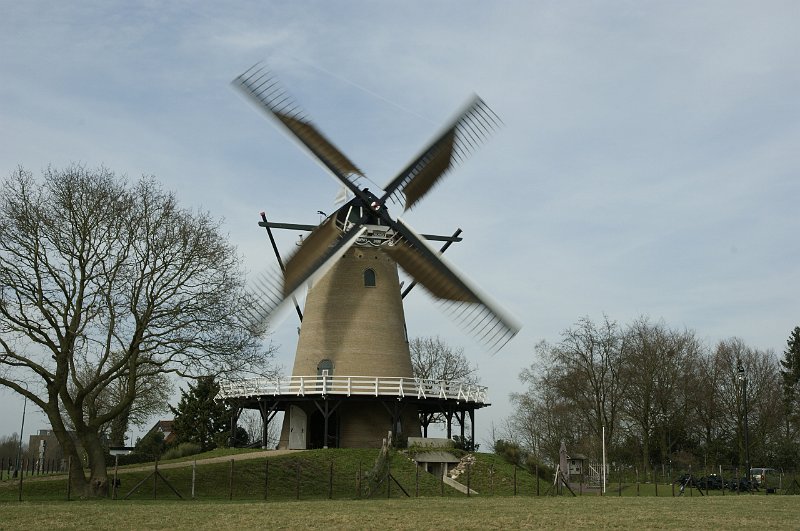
x: 182, y: 450
x: 510, y: 451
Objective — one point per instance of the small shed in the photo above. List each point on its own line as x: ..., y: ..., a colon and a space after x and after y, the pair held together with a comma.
x: 575, y: 464
x: 438, y: 463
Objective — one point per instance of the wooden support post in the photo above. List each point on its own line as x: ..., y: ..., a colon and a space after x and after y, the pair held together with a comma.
x: 194, y: 475
x: 637, y: 481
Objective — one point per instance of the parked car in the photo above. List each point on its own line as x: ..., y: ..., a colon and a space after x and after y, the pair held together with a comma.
x: 742, y: 484
x: 710, y: 482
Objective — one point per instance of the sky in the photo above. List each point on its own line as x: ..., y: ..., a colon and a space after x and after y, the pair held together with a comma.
x: 647, y: 165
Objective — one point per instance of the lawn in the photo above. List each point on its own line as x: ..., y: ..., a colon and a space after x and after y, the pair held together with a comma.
x: 762, y: 512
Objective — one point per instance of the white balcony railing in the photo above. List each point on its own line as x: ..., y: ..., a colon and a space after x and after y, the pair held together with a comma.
x: 354, y: 386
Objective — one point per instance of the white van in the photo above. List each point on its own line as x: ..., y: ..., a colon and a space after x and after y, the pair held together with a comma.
x: 766, y: 477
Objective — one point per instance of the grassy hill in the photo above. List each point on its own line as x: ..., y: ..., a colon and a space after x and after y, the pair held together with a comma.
x: 311, y: 474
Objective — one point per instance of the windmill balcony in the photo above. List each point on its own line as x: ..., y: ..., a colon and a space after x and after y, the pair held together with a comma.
x: 417, y: 388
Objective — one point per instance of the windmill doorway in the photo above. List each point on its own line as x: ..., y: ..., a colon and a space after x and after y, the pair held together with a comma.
x: 316, y: 430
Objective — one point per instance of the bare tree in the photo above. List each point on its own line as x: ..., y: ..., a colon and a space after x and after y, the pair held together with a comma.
x: 585, y: 370
x: 433, y: 359
x: 104, y: 284
x: 656, y: 362
x: 542, y: 418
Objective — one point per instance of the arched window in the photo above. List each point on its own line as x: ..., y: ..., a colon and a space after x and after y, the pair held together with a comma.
x: 369, y: 278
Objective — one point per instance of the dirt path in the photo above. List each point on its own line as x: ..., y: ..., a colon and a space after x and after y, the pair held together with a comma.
x: 209, y: 460
x: 179, y: 464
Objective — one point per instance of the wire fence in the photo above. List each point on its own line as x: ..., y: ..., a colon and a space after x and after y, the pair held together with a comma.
x: 344, y: 476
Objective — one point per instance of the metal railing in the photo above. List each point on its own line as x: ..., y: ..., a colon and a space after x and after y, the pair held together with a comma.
x: 355, y: 386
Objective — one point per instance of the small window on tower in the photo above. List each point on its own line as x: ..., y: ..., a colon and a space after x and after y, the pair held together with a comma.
x: 325, y: 368
x: 369, y: 278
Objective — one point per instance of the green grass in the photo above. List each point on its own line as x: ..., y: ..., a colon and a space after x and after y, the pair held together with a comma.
x: 314, y: 474
x: 480, y: 512
x: 320, y: 474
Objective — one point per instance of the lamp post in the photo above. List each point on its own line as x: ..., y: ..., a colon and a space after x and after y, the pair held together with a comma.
x: 743, y: 380
x: 19, y: 449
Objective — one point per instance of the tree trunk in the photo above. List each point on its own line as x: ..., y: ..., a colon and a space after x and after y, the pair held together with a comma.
x: 98, y: 477
x: 119, y: 426
x: 97, y: 483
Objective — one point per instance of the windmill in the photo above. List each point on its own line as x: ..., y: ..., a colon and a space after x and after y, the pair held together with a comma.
x: 353, y: 345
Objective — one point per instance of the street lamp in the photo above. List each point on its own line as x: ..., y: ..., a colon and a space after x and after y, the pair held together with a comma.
x: 743, y: 380
x: 19, y: 450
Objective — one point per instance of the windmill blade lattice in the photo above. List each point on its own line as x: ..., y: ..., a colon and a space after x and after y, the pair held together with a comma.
x: 471, y: 127
x: 264, y: 90
x: 472, y: 310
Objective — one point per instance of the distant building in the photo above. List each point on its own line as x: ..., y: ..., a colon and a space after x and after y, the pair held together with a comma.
x: 47, y: 453
x: 165, y: 427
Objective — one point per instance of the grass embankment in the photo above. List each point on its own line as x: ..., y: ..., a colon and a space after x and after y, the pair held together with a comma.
x: 313, y: 474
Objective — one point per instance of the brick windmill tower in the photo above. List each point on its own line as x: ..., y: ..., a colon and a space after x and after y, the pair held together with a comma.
x: 352, y: 378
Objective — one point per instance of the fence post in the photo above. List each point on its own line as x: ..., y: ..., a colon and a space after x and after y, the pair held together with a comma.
x: 358, y: 480
x: 21, y: 473
x: 441, y: 478
x: 116, y: 470
x: 637, y: 480
x: 230, y: 482
x: 619, y: 478
x: 388, y: 474
x: 266, y: 477
x: 416, y: 482
x: 655, y: 481
x: 330, y: 482
x: 69, y: 477
x: 155, y: 478
x: 536, y: 473
x: 491, y: 479
x: 297, y: 480
x: 468, y: 483
x: 194, y: 476
x: 515, y: 480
